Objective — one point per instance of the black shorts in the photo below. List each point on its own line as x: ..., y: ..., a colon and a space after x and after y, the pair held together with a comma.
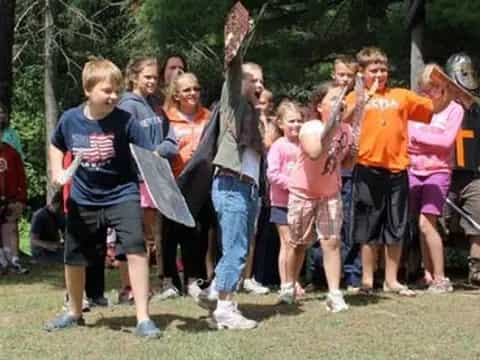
x: 86, y: 232
x: 380, y: 206
x: 278, y: 215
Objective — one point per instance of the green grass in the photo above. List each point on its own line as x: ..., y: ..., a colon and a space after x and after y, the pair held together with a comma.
x: 382, y: 327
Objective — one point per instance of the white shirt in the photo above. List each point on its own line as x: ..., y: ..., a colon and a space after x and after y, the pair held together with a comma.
x: 251, y: 164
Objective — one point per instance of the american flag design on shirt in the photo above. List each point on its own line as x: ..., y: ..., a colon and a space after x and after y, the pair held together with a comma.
x: 97, y: 148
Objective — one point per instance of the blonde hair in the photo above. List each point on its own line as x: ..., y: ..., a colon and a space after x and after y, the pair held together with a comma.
x: 173, y: 88
x: 348, y: 60
x: 97, y: 70
x: 135, y: 67
x: 285, y: 106
x: 424, y: 80
x: 371, y: 55
x: 249, y: 67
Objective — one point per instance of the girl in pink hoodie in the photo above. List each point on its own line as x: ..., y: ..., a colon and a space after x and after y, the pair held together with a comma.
x: 281, y: 159
x: 431, y: 150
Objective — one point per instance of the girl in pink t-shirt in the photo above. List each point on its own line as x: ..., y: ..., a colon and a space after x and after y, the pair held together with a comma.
x: 315, y: 204
x: 431, y: 150
x: 281, y: 158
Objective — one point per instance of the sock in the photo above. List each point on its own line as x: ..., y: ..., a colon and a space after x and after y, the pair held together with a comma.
x: 286, y: 286
x: 335, y: 292
x: 224, y: 305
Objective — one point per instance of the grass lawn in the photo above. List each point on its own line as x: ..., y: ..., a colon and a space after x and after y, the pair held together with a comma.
x: 381, y: 327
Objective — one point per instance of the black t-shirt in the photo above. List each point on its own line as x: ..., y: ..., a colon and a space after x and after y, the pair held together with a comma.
x: 106, y: 175
x: 46, y: 225
x: 468, y: 142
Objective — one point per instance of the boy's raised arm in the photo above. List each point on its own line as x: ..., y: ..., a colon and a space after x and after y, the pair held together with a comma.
x: 55, y: 156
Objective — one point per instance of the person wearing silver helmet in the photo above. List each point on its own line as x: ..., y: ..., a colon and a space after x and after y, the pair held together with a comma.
x: 465, y: 185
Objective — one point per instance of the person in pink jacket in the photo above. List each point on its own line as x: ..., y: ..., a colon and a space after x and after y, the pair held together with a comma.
x: 431, y: 150
x: 281, y: 158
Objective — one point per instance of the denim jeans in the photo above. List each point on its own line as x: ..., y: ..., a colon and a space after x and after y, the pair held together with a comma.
x: 236, y: 205
x: 352, y: 261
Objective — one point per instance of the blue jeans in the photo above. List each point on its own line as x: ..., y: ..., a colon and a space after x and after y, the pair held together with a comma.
x: 352, y: 261
x: 236, y: 205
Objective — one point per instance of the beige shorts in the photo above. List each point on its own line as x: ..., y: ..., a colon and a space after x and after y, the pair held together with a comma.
x: 305, y: 216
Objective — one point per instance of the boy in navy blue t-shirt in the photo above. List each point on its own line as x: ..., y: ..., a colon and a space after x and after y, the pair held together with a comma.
x: 104, y: 191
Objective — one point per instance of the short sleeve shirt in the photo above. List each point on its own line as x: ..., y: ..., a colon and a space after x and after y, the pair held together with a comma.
x: 106, y: 175
x: 384, y: 132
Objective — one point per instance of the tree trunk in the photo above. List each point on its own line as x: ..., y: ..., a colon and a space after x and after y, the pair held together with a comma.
x: 7, y: 24
x: 51, y: 109
x: 416, y: 20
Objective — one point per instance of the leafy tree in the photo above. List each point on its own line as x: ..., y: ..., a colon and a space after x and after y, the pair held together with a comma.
x: 7, y: 22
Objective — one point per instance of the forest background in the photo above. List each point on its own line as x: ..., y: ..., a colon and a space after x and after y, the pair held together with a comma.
x: 295, y: 42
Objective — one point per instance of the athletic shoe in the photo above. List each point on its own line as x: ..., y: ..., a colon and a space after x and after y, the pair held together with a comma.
x: 287, y: 294
x: 254, y: 287
x: 335, y: 302
x: 63, y: 321
x: 194, y: 290
x: 206, y: 298
x: 441, y: 286
x: 147, y: 329
x: 232, y: 319
x: 17, y: 267
x: 166, y: 292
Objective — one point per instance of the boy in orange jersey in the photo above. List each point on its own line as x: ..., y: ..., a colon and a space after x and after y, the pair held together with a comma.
x: 380, y: 180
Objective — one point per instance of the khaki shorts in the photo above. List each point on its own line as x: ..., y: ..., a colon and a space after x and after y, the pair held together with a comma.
x: 465, y: 192
x: 305, y: 216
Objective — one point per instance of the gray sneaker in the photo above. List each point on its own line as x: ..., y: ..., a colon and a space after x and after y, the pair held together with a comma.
x: 147, y: 329
x: 63, y: 321
x: 232, y: 319
x: 335, y: 302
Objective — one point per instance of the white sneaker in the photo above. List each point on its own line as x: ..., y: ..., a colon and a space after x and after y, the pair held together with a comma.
x: 194, y: 290
x: 287, y: 294
x: 252, y: 286
x: 206, y: 298
x: 167, y: 292
x: 335, y: 302
x: 231, y: 318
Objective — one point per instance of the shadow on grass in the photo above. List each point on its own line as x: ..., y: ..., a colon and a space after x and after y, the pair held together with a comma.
x: 39, y: 273
x: 127, y: 323
x: 258, y: 312
x: 261, y: 312
x: 365, y: 300
x: 350, y: 299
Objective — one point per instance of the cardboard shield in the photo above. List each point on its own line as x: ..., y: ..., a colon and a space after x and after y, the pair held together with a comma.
x: 161, y: 186
x: 236, y: 29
